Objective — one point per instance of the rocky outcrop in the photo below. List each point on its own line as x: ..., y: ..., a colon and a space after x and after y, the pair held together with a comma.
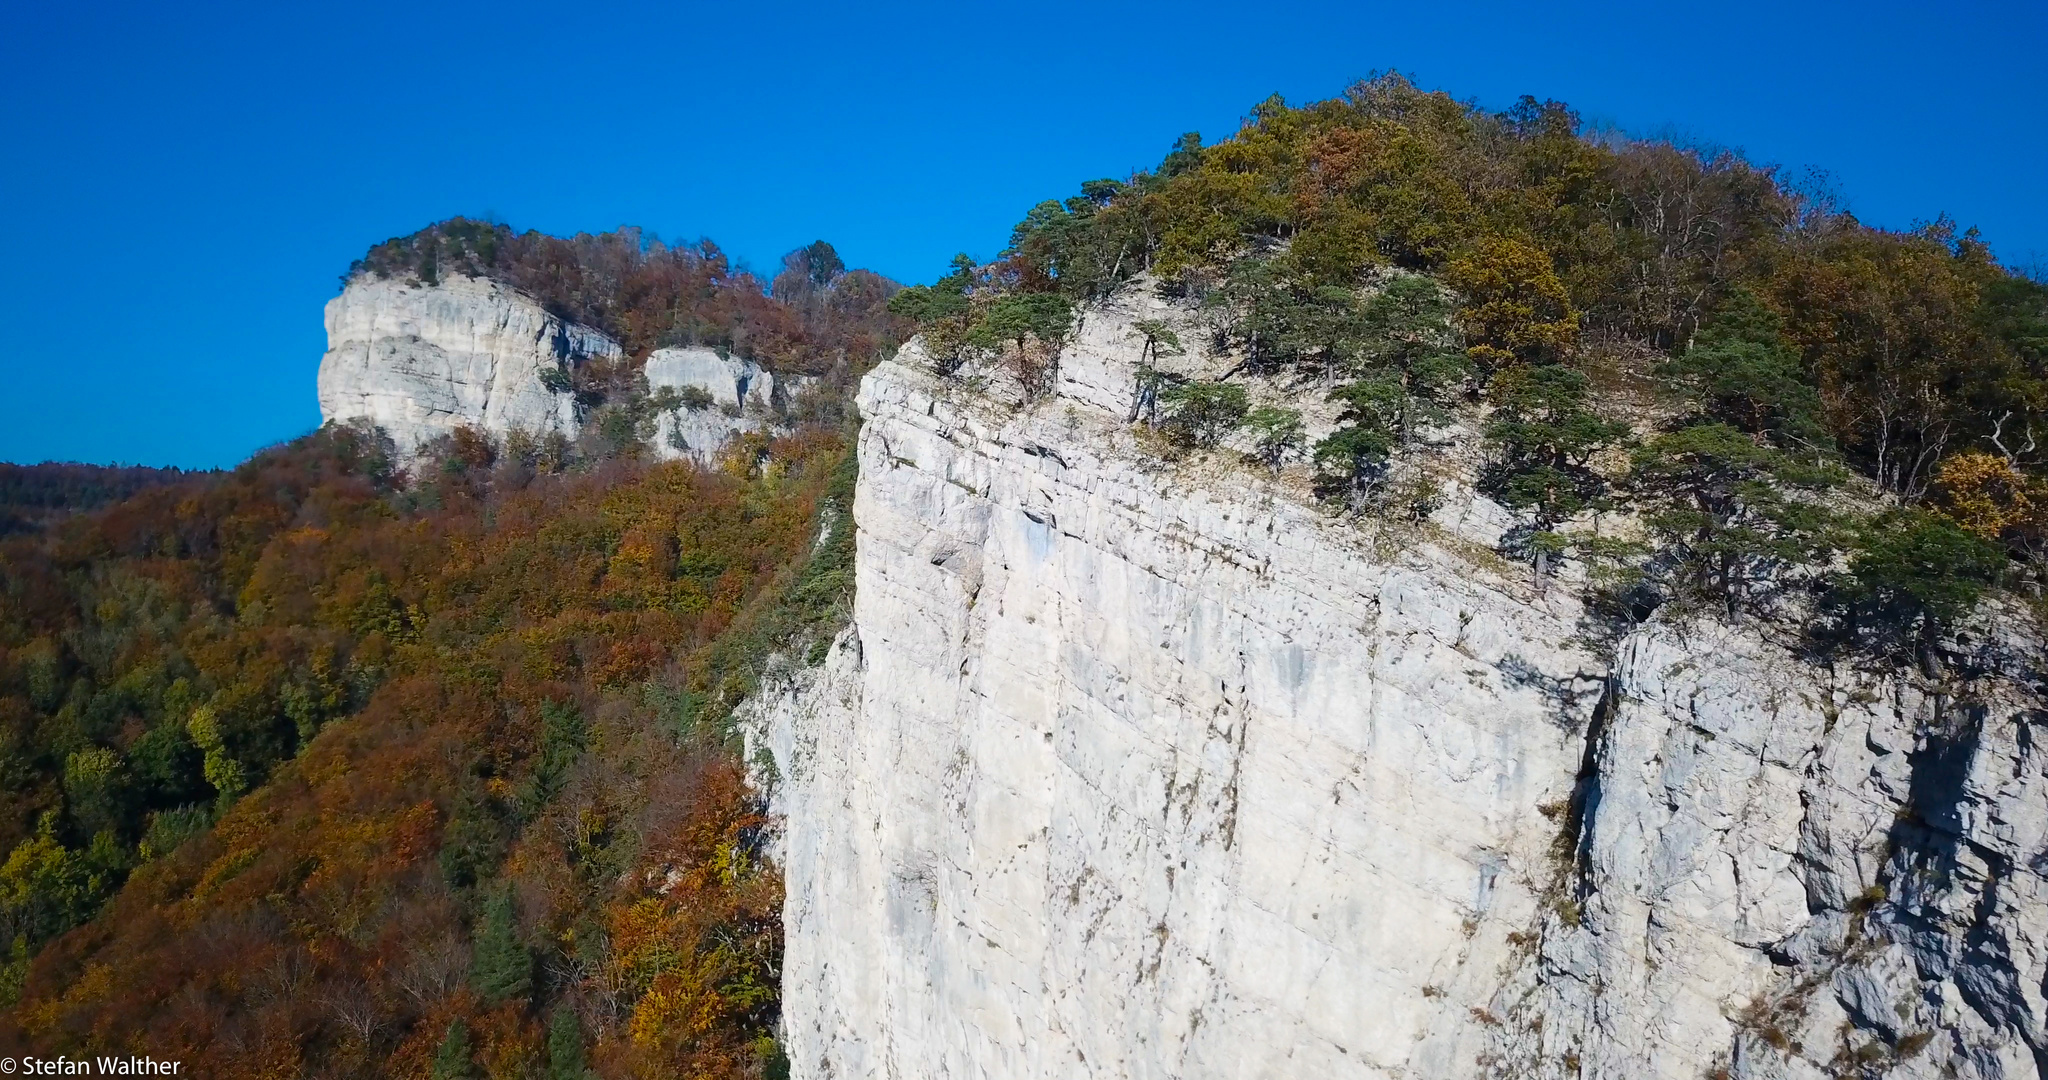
x: 1127, y: 769
x: 739, y: 396
x: 420, y: 361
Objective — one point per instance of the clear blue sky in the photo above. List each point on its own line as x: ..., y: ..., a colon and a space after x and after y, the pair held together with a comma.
x: 182, y: 184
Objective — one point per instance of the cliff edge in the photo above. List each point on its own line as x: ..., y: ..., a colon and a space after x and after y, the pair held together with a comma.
x: 1136, y: 769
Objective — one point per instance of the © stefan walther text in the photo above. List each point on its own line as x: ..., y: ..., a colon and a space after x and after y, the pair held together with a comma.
x: 101, y: 1066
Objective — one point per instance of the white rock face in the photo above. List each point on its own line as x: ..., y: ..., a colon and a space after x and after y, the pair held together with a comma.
x: 1129, y: 770
x: 421, y: 361
x: 743, y: 398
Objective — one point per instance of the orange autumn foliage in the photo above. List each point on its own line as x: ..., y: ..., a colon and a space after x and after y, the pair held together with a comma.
x: 511, y: 685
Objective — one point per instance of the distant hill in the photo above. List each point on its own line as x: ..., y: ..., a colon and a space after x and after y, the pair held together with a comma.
x: 32, y: 496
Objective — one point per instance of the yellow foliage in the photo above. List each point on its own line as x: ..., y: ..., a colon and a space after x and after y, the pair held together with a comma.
x: 1986, y: 495
x: 1516, y: 309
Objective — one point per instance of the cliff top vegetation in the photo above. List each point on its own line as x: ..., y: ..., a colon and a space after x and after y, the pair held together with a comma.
x: 1414, y: 259
x: 814, y: 313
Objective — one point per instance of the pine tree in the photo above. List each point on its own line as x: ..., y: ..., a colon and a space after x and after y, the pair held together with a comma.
x: 1545, y: 435
x: 1742, y: 373
x: 1721, y: 501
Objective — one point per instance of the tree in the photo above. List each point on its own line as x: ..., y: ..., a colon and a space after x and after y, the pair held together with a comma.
x: 1889, y: 325
x: 1408, y: 343
x: 98, y: 788
x: 1201, y: 413
x: 1741, y: 372
x: 503, y: 966
x: 1919, y: 571
x: 1717, y: 498
x: 565, y: 1046
x: 46, y: 888
x: 1516, y: 309
x: 1158, y: 340
x: 1544, y: 437
x: 1991, y: 499
x: 1019, y: 318
x: 1351, y: 463
x: 452, y: 1058
x: 563, y: 734
x: 1276, y: 434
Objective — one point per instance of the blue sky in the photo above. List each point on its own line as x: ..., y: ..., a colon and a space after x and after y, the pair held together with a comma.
x: 183, y: 184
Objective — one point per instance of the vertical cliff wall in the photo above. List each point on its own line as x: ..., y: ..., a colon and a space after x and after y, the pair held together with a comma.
x: 1134, y: 770
x: 420, y: 361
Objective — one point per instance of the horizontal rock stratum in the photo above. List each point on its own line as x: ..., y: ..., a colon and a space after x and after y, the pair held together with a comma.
x: 1134, y: 770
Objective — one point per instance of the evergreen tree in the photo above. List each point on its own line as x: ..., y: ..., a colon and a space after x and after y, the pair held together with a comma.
x: 565, y: 1046
x: 1723, y: 503
x: 563, y: 736
x: 452, y: 1059
x: 1742, y: 373
x: 1918, y: 571
x: 1407, y: 339
x: 1201, y: 413
x: 1544, y: 436
x: 1276, y: 434
x: 502, y: 968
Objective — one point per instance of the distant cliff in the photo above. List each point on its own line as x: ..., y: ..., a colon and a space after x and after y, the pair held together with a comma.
x: 421, y: 360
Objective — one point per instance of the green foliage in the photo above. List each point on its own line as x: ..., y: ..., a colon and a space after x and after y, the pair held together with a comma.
x: 1018, y: 318
x: 1276, y: 435
x: 774, y: 1062
x: 97, y: 786
x: 1544, y: 434
x: 1741, y: 372
x: 502, y: 965
x: 453, y: 1058
x: 1911, y: 567
x: 1718, y: 498
x: 167, y: 829
x: 1199, y: 414
x: 473, y: 842
x: 942, y: 300
x: 46, y: 888
x: 1159, y: 341
x: 1286, y: 319
x: 1074, y: 247
x: 565, y: 1047
x: 563, y: 737
x: 226, y: 774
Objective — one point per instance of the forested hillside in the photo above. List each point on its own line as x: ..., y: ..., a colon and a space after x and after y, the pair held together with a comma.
x: 320, y: 768
x: 1776, y: 400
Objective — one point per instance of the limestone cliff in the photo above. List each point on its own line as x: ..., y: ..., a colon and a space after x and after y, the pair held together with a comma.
x: 421, y: 360
x: 1127, y: 769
